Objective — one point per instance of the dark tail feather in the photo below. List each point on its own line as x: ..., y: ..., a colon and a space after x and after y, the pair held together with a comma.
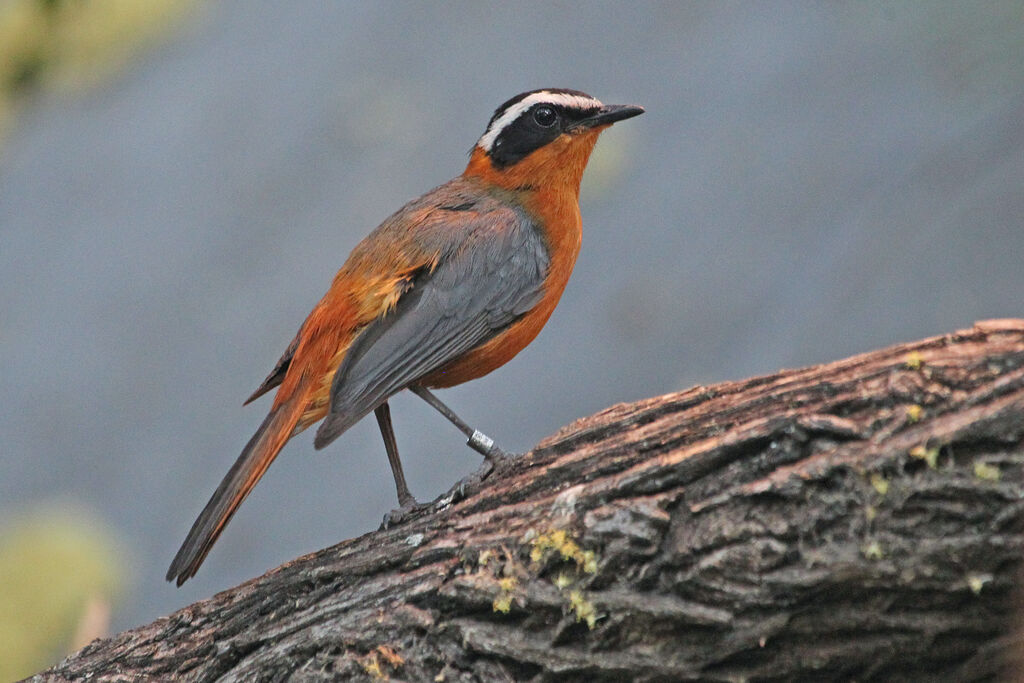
x: 256, y: 457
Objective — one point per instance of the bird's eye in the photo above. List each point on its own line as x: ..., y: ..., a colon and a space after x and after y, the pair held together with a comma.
x: 544, y: 116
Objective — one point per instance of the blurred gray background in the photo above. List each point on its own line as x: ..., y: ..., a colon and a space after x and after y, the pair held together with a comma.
x: 811, y: 180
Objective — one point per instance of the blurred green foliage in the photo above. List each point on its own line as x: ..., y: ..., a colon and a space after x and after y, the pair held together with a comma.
x: 60, y: 570
x: 73, y: 43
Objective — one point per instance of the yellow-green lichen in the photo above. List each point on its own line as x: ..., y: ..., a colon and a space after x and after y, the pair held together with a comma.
x: 929, y: 455
x: 559, y: 546
x: 879, y: 483
x: 914, y: 360
x: 502, y: 603
x: 583, y: 609
x: 379, y: 661
x: 563, y: 581
x: 986, y: 472
x: 914, y: 413
x: 558, y: 540
x: 872, y: 550
x: 506, y: 588
x: 501, y: 565
x: 977, y: 581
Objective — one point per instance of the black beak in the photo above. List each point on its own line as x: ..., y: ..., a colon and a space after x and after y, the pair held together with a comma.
x: 609, y: 114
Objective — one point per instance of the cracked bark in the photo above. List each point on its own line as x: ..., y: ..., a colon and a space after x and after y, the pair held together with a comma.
x: 862, y: 520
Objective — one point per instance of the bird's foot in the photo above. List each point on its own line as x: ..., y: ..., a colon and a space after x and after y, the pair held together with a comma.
x: 485, y: 446
x: 408, y: 510
x: 496, y: 461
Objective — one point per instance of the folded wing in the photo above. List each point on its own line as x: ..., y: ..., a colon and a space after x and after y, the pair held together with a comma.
x: 490, y: 274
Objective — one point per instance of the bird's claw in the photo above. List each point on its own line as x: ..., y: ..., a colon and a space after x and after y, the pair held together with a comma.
x: 400, y: 515
x: 495, y: 461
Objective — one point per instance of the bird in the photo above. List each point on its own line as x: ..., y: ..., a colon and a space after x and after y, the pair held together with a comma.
x: 447, y: 289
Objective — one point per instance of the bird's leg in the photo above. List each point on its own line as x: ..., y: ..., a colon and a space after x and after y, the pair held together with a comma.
x: 383, y: 413
x: 478, y: 441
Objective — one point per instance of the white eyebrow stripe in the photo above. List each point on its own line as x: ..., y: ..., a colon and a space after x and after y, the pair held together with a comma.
x: 512, y: 113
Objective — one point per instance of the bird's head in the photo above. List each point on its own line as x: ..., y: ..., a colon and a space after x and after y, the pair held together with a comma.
x: 543, y: 138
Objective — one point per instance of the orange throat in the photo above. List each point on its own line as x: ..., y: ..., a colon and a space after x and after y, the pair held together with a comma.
x: 558, y: 166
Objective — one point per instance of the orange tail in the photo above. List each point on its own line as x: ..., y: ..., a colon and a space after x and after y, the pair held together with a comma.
x: 256, y: 457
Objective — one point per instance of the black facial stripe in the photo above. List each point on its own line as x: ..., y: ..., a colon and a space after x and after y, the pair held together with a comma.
x: 524, y: 135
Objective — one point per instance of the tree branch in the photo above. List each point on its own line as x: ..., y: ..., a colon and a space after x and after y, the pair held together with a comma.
x: 859, y: 520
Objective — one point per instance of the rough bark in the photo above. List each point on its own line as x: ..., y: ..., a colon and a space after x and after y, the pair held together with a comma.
x: 861, y: 520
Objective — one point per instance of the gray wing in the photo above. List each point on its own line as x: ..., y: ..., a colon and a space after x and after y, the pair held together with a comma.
x: 481, y: 286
